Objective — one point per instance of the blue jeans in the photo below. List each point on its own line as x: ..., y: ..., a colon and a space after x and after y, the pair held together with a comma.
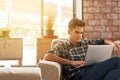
x: 101, y: 71
x: 113, y: 75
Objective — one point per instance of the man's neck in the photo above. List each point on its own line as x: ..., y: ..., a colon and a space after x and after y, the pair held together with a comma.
x: 74, y: 43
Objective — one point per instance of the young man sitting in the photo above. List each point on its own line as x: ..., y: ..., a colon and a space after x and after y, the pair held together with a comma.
x: 71, y: 55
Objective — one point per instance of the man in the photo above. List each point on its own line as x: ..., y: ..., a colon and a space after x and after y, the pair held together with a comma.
x: 71, y: 54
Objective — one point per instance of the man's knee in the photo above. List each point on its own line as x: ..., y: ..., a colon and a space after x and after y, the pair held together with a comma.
x: 116, y: 59
x: 113, y: 75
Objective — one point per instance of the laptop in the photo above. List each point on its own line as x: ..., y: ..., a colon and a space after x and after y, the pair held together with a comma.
x: 98, y: 53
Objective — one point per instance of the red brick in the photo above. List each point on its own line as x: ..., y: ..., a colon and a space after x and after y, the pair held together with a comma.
x: 116, y: 10
x: 88, y: 16
x: 100, y: 16
x: 118, y: 16
x: 85, y: 9
x: 99, y: 28
x: 111, y: 28
x: 116, y: 22
x: 106, y: 22
x: 111, y: 3
x: 116, y: 0
x: 88, y: 3
x: 119, y: 4
x: 99, y: 3
x: 106, y: 13
x: 94, y: 34
x: 85, y: 35
x: 105, y: 10
x: 88, y: 28
x: 118, y: 29
x: 108, y: 0
x: 93, y: 10
x: 112, y: 16
x: 116, y: 35
x: 106, y: 35
x: 93, y: 22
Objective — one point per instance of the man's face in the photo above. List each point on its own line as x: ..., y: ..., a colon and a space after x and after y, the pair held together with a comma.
x: 76, y: 34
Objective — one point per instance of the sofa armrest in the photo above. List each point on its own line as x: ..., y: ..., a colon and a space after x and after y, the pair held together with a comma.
x: 50, y: 70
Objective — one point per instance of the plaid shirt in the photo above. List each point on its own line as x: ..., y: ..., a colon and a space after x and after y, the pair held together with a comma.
x: 69, y: 51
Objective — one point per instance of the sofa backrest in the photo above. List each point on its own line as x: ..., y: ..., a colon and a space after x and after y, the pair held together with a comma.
x: 56, y: 41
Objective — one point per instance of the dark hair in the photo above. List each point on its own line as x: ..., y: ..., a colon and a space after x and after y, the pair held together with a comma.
x: 75, y: 22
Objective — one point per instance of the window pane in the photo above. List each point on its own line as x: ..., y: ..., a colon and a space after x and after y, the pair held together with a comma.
x: 4, y: 24
x: 23, y: 19
x: 63, y: 12
x: 3, y: 14
x: 26, y: 25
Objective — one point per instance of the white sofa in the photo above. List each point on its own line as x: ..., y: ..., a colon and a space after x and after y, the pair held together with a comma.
x: 52, y: 70
x: 20, y: 73
x: 11, y: 49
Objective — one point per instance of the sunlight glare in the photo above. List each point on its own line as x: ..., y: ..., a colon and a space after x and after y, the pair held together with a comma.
x: 60, y: 2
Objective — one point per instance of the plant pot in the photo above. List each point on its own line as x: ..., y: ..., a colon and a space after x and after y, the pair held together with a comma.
x: 49, y: 32
x: 5, y: 33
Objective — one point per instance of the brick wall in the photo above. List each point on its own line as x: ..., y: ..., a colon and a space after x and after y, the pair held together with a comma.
x: 102, y: 18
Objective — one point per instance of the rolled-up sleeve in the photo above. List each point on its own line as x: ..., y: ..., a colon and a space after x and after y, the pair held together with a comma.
x: 56, y: 49
x: 99, y: 41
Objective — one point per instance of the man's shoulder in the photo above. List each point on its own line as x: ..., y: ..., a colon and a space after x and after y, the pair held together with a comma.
x: 60, y: 41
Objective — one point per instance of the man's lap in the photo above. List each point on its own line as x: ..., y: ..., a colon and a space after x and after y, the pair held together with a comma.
x: 98, y: 71
x: 113, y: 75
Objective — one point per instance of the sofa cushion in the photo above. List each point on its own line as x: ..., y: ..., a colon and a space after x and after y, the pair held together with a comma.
x: 20, y: 73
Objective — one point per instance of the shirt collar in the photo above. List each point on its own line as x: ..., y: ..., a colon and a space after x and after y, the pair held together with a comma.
x: 79, y: 43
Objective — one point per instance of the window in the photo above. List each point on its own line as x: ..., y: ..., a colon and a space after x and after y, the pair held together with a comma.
x: 77, y: 8
x: 24, y: 19
x: 26, y: 25
x: 62, y: 11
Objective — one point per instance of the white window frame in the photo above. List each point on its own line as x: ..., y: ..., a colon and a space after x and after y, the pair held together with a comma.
x: 77, y: 8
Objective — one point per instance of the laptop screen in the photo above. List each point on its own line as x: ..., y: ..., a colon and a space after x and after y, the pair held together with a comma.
x: 98, y: 53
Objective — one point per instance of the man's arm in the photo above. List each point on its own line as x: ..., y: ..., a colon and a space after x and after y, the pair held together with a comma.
x: 53, y: 57
x: 107, y: 41
x: 116, y: 46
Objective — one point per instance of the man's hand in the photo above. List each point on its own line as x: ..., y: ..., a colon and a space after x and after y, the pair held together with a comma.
x: 117, y: 47
x: 77, y: 63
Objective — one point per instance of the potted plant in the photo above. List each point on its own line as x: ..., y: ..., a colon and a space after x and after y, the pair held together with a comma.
x: 4, y: 32
x: 49, y: 24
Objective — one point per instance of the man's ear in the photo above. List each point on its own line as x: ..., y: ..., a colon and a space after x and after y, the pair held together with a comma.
x: 69, y: 31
